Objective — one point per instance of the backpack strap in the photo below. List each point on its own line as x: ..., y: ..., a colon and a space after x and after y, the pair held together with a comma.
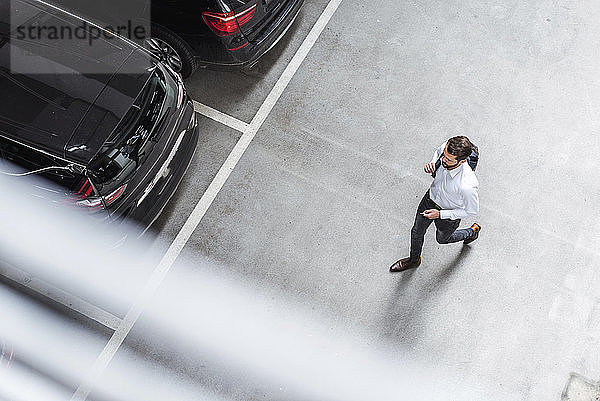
x: 473, y: 158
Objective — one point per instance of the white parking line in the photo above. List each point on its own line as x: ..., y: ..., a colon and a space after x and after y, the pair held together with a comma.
x: 192, y: 222
x: 221, y: 117
x: 293, y: 66
x: 61, y: 297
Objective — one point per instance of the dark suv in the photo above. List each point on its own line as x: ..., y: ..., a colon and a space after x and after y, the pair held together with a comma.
x: 187, y: 34
x: 109, y: 127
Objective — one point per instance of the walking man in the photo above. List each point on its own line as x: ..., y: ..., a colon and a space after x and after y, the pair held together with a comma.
x: 451, y: 197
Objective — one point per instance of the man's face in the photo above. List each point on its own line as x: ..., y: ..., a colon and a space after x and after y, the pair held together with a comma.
x: 449, y: 161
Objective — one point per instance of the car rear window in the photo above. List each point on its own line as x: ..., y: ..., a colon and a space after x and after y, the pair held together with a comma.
x: 19, y: 160
x: 132, y: 140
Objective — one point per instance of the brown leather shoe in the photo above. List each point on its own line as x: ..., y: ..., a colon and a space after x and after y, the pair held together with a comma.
x: 404, y: 264
x: 476, y: 228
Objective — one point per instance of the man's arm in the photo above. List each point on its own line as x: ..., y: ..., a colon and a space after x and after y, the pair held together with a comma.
x: 471, y: 199
x: 430, y: 167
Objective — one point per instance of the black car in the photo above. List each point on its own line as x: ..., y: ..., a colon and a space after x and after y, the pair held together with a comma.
x: 188, y: 34
x: 108, y: 126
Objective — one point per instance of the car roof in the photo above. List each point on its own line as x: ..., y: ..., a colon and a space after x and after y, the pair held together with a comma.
x: 48, y: 93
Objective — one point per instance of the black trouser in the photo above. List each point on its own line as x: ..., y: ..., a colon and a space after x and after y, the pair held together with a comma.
x: 446, y: 229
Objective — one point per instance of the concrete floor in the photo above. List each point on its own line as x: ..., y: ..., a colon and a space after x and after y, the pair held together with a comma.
x: 323, y: 199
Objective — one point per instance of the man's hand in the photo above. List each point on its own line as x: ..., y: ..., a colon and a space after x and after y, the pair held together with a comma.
x: 429, y: 168
x: 431, y: 214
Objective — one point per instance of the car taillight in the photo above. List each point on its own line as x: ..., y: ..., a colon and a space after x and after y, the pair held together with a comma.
x: 114, y: 195
x: 224, y: 24
x: 84, y: 197
x: 6, y: 354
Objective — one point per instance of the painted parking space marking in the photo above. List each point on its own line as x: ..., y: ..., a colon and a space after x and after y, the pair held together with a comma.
x: 62, y: 297
x: 219, y: 116
x: 208, y: 197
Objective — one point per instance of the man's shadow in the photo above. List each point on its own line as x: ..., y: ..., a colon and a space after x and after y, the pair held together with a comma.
x: 404, y: 320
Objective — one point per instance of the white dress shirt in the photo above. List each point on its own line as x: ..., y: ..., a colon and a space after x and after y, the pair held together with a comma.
x: 455, y: 191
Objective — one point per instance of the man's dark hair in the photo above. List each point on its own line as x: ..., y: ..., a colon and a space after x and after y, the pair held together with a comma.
x: 460, y: 146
